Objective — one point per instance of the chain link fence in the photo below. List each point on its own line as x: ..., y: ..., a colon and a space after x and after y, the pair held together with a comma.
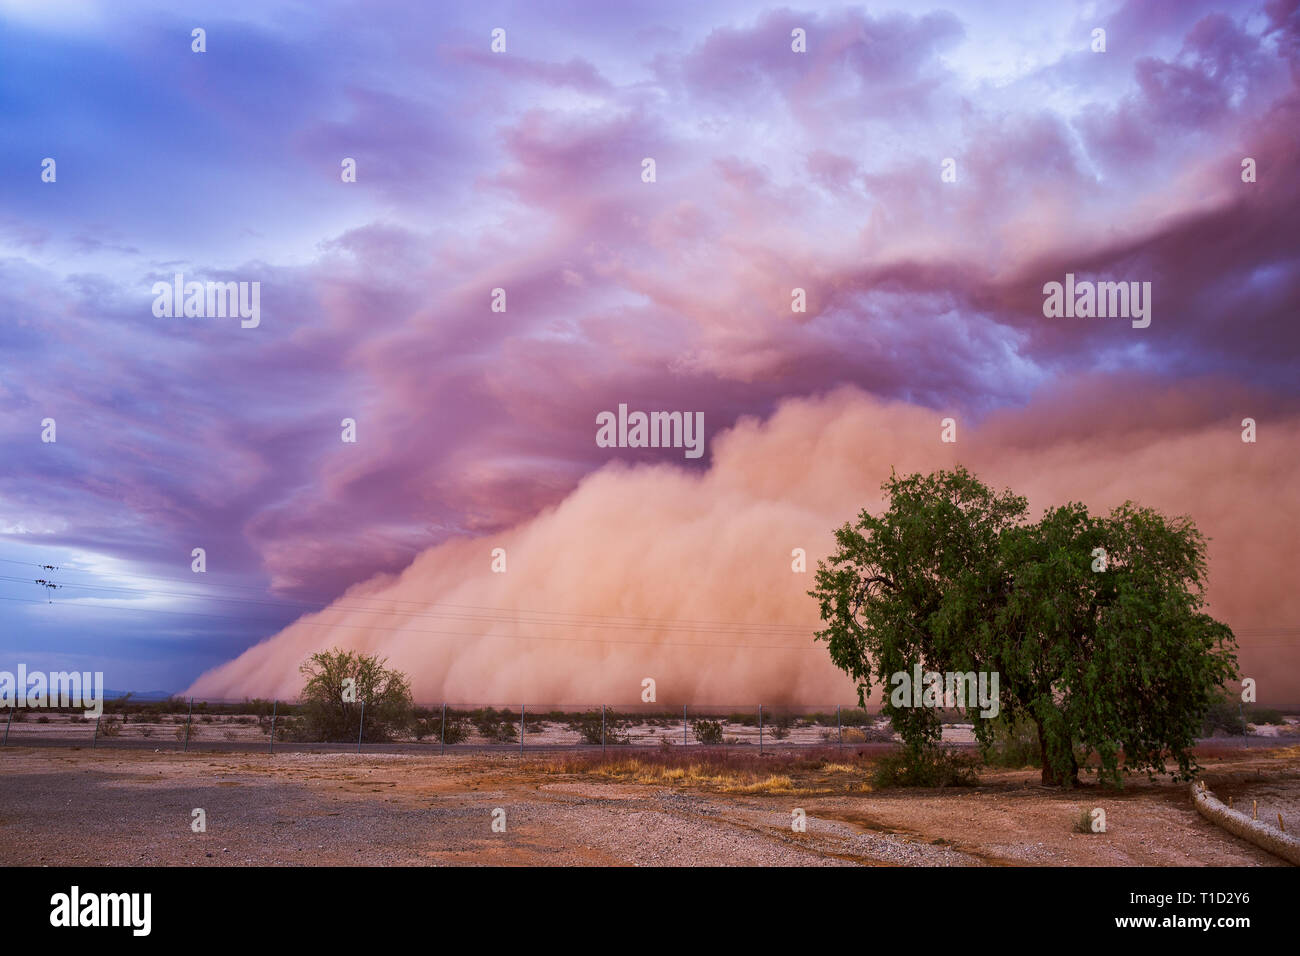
x: 177, y: 724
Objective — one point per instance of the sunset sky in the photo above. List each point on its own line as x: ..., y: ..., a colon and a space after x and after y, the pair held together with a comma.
x: 522, y: 170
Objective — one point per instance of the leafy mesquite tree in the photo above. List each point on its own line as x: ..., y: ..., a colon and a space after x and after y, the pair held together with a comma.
x: 337, y: 683
x: 1094, y: 624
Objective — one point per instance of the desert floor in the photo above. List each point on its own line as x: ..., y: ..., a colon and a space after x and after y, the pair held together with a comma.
x: 132, y: 807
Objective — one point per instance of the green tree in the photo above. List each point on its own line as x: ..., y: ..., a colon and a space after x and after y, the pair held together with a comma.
x: 1121, y: 662
x: 331, y: 706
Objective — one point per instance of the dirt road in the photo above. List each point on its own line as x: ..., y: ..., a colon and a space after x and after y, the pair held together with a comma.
x: 136, y: 808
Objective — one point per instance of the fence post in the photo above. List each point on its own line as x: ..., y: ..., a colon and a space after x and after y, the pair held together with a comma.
x: 839, y: 725
x: 602, y: 730
x: 7, y: 723
x: 760, y: 730
x: 523, y: 710
x: 362, y: 729
x: 683, y: 725
x: 443, y: 748
x: 275, y: 705
x: 188, y: 718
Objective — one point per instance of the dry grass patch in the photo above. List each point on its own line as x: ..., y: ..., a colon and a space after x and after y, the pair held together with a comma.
x: 703, y: 777
x: 839, y: 768
x: 789, y: 776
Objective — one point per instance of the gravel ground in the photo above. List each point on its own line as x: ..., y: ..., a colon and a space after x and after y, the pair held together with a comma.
x: 62, y: 806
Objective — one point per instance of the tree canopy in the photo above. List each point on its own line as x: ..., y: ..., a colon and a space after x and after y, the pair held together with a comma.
x: 338, y: 681
x: 1095, y: 625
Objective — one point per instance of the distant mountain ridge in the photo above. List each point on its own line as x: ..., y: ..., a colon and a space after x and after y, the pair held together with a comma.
x: 138, y: 694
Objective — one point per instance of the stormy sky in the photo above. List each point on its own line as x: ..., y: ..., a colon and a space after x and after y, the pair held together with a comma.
x: 523, y: 170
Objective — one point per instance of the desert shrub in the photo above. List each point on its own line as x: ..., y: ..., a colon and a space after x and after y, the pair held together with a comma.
x: 431, y: 727
x: 146, y: 731
x: 708, y: 731
x: 457, y: 729
x: 43, y: 719
x: 291, y: 729
x: 1013, y: 746
x: 1083, y: 822
x: 1223, y: 716
x: 328, y: 716
x: 858, y: 735
x: 110, y: 727
x: 193, y: 730
x: 206, y: 719
x: 882, y: 731
x: 780, y: 726
x: 588, y: 724
x: 259, y: 707
x: 229, y: 734
x: 854, y: 717
x: 495, y: 726
x: 928, y: 767
x: 1261, y: 715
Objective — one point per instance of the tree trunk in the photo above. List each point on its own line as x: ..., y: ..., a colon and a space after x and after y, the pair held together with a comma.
x: 1049, y: 776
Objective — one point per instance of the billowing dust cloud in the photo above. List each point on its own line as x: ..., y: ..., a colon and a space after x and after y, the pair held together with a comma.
x: 686, y: 577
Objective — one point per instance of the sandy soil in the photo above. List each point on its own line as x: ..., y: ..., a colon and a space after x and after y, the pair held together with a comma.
x: 135, y: 808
